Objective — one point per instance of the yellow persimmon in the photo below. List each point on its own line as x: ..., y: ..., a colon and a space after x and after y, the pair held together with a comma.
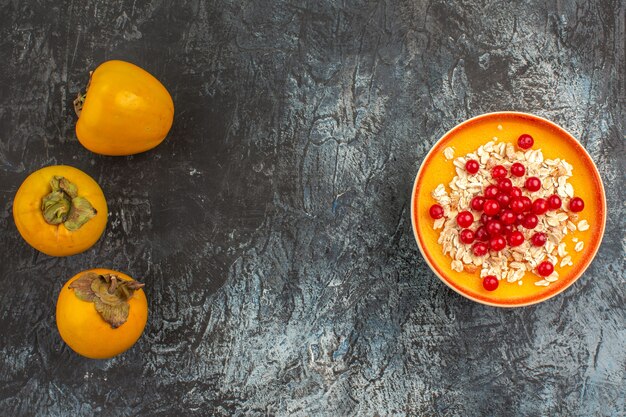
x: 101, y: 313
x: 125, y: 110
x: 60, y: 211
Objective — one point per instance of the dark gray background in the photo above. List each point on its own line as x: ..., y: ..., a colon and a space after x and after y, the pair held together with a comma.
x: 272, y: 226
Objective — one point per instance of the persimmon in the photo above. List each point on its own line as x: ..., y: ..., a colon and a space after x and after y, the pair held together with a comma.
x: 60, y: 211
x: 125, y: 110
x: 101, y: 313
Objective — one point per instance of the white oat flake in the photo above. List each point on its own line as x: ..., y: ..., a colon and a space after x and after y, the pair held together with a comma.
x: 566, y: 261
x: 448, y: 153
x: 457, y: 266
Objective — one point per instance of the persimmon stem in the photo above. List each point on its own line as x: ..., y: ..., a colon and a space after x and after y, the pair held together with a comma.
x: 79, y: 101
x: 64, y: 205
x: 55, y: 207
x: 113, y: 285
x: 108, y: 293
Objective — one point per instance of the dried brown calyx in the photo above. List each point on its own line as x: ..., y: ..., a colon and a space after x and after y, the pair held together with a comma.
x: 79, y: 101
x: 109, y: 294
x: 63, y: 205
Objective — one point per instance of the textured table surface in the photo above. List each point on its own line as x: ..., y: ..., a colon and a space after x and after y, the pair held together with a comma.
x: 272, y: 226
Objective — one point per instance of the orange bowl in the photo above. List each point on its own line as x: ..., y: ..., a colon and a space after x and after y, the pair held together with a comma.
x: 555, y: 142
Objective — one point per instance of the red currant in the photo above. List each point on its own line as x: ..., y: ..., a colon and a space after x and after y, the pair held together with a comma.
x: 554, y: 202
x: 532, y: 184
x: 477, y: 203
x: 503, y: 199
x: 436, y: 211
x: 505, y: 185
x: 480, y: 249
x: 497, y: 243
x: 490, y: 282
x: 540, y: 206
x: 519, y: 218
x: 515, y: 192
x: 507, y: 217
x: 545, y: 268
x: 538, y: 239
x: 517, y: 205
x: 525, y: 141
x: 472, y: 166
x: 576, y: 204
x: 528, y: 204
x: 466, y: 236
x: 498, y: 171
x: 494, y: 228
x: 515, y: 238
x: 464, y: 219
x: 530, y: 221
x: 481, y: 234
x: 491, y: 207
x: 518, y: 169
x: 491, y: 191
x: 508, y: 229
x: 485, y: 218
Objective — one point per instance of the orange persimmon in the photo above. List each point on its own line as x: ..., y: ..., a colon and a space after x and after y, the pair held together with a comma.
x: 101, y: 313
x: 60, y: 211
x: 124, y: 111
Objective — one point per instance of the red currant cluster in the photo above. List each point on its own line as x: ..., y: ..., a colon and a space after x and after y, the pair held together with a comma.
x: 504, y: 210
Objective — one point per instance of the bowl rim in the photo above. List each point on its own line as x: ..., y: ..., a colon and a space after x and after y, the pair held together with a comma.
x: 580, y: 271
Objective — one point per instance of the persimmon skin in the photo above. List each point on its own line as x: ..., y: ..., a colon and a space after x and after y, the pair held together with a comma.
x: 86, y: 332
x: 56, y: 240
x: 126, y: 110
